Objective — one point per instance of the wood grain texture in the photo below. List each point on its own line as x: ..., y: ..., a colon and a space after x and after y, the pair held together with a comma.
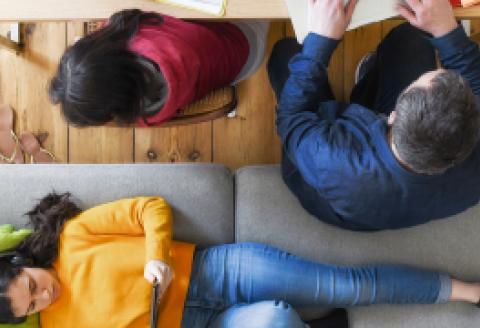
x: 335, y: 68
x: 250, y: 137
x: 357, y: 43
x: 475, y: 26
x: 101, y: 145
x: 97, y: 144
x: 192, y: 143
x: 55, y: 10
x: 8, y: 67
x: 45, y: 43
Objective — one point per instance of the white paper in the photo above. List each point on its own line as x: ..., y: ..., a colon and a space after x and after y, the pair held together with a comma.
x: 366, y: 11
x: 214, y: 7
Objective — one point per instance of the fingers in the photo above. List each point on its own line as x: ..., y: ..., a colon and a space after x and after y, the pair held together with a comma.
x: 150, y: 278
x: 164, y: 286
x: 161, y: 274
x: 350, y: 9
x: 311, y: 3
x: 407, y: 13
x: 415, y: 5
x: 157, y: 273
x: 340, y: 5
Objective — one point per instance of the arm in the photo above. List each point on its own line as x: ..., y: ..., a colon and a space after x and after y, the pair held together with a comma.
x: 456, y: 51
x: 143, y: 216
x: 300, y: 95
x: 328, y: 20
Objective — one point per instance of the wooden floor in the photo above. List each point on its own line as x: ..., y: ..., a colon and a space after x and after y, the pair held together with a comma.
x: 247, y: 139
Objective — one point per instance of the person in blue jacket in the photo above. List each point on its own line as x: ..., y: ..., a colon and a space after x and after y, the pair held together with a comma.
x: 405, y: 150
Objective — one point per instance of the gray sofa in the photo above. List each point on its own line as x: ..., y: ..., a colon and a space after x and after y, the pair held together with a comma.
x: 212, y: 206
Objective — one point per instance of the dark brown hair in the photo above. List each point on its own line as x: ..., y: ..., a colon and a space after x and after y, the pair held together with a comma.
x: 100, y: 80
x: 437, y: 127
x: 40, y: 249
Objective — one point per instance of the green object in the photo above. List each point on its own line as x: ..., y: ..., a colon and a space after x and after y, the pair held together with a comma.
x: 32, y: 322
x: 11, y: 238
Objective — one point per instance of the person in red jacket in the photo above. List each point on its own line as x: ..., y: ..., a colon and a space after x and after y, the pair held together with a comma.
x: 142, y: 67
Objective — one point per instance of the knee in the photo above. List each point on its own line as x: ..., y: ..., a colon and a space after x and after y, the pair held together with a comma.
x: 284, y: 45
x: 406, y: 33
x: 281, y: 51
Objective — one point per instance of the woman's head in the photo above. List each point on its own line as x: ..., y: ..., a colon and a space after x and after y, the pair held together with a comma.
x: 25, y: 291
x: 100, y: 80
x: 28, y: 283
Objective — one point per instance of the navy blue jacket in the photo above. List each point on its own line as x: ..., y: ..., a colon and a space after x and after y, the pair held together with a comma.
x: 337, y: 159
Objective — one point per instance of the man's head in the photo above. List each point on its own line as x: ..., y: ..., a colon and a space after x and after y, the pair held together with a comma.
x: 436, y: 123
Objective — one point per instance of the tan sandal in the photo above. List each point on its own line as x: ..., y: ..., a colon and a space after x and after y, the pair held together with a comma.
x: 32, y: 148
x: 10, y: 151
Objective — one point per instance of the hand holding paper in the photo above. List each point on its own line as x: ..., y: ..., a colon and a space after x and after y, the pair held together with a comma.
x: 330, y: 18
x: 365, y: 11
x: 433, y: 16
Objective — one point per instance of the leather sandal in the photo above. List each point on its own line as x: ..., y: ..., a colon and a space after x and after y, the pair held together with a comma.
x: 10, y: 150
x: 31, y: 146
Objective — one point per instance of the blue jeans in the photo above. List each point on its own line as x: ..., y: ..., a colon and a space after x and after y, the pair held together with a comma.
x: 226, y: 278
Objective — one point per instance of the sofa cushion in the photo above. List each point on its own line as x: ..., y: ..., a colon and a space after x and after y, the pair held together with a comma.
x: 201, y: 195
x: 267, y: 212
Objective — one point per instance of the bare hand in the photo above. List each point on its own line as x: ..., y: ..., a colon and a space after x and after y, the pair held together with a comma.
x: 433, y: 16
x: 330, y: 18
x: 161, y: 273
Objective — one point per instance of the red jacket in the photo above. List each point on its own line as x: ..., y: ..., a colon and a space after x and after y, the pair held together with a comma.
x: 194, y: 57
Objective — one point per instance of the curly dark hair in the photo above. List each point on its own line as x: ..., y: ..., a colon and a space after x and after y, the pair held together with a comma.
x: 40, y: 249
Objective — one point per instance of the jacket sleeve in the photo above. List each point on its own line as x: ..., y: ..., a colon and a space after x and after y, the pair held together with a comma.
x: 457, y: 52
x: 308, y: 128
x: 143, y: 216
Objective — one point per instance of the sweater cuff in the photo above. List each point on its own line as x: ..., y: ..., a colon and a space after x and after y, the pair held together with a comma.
x: 158, y: 251
x: 319, y: 47
x: 451, y: 43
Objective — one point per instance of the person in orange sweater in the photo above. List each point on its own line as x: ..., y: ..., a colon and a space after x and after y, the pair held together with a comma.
x: 95, y: 268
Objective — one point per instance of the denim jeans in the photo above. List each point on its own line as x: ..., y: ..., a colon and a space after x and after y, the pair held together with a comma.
x: 226, y: 278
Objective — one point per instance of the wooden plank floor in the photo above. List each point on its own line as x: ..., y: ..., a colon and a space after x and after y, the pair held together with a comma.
x: 247, y: 139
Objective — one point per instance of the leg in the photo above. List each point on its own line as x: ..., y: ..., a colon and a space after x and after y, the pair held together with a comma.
x: 278, y: 71
x: 403, y: 56
x: 267, y: 314
x: 227, y: 275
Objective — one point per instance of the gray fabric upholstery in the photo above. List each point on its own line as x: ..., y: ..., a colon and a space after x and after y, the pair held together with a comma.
x: 201, y: 195
x: 267, y: 212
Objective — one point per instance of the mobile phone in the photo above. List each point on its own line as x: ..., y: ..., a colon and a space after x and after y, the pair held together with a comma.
x: 154, y: 305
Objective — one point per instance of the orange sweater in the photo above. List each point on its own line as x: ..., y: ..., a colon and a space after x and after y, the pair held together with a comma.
x: 102, y: 255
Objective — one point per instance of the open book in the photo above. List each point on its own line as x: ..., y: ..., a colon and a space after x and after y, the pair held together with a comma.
x: 213, y: 7
x: 366, y: 11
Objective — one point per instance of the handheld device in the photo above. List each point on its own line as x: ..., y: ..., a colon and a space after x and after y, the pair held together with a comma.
x: 154, y: 305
